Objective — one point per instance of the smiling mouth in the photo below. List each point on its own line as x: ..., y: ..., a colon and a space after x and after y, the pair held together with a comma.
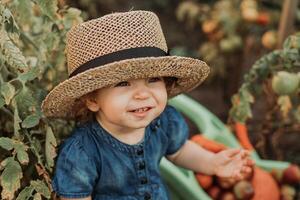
x: 141, y: 110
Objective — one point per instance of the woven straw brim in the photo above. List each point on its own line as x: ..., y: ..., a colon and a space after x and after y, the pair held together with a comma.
x: 62, y: 101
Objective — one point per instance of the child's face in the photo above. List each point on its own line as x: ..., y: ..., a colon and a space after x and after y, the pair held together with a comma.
x: 129, y: 105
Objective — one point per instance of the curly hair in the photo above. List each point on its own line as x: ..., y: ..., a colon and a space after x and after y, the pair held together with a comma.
x: 82, y: 113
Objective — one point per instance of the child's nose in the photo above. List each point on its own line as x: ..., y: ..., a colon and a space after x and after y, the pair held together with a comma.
x: 142, y: 93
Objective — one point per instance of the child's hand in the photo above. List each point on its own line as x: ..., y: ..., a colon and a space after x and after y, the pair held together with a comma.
x: 232, y: 163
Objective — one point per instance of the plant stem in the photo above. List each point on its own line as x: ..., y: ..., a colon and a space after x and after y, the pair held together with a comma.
x: 32, y: 147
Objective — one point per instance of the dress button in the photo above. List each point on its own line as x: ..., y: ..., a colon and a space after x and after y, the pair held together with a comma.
x: 158, y: 123
x: 147, y: 196
x: 144, y: 180
x: 155, y: 125
x: 142, y: 165
x: 140, y: 151
x: 153, y: 128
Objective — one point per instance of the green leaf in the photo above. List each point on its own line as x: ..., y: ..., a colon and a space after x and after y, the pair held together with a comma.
x: 25, y: 12
x: 247, y: 96
x: 292, y: 41
x: 31, y: 121
x: 26, y: 193
x: 10, y: 23
x: 37, y: 196
x: 6, y: 143
x: 41, y: 188
x: 4, y: 163
x: 30, y: 75
x: 11, y: 53
x: 8, y: 92
x: 72, y: 17
x: 52, y: 41
x: 240, y: 110
x: 25, y: 101
x: 2, y: 102
x: 290, y: 55
x: 50, y: 145
x: 20, y: 148
x: 17, y: 121
x: 22, y: 155
x: 10, y: 179
x: 36, y: 145
x: 48, y: 7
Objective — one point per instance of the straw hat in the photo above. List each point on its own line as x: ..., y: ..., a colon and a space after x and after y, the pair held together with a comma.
x: 114, y: 48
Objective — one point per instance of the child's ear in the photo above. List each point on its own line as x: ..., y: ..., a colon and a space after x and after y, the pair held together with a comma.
x: 92, y: 104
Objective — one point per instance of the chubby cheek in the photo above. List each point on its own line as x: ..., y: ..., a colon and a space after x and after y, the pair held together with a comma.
x: 161, y: 98
x: 117, y: 105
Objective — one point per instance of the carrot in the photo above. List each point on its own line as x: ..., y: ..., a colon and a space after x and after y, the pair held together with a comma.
x: 264, y: 185
x: 208, y: 144
x: 205, y: 181
x: 242, y: 135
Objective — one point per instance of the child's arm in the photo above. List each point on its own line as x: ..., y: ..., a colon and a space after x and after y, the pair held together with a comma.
x: 228, y: 163
x: 87, y: 198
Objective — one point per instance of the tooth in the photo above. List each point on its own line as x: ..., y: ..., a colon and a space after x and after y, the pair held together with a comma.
x: 141, y: 110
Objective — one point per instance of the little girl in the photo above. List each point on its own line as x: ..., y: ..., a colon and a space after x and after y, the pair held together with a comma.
x: 120, y: 78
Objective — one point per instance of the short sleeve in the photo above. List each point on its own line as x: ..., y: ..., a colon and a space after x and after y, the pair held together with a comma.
x: 75, y: 173
x: 177, y: 130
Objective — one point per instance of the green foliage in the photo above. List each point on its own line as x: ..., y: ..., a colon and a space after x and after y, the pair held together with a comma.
x: 32, y: 42
x: 6, y: 143
x: 274, y: 83
x: 10, y: 177
x: 8, y: 92
x: 279, y: 62
x: 50, y: 145
x: 39, y: 187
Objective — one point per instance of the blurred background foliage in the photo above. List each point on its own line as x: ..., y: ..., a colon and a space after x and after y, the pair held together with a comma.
x: 242, y: 41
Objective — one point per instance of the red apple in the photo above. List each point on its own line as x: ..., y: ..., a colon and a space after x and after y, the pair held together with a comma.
x: 291, y: 175
x: 227, y: 196
x: 214, y: 192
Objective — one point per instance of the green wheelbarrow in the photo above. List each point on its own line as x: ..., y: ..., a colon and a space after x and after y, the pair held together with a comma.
x: 182, y: 183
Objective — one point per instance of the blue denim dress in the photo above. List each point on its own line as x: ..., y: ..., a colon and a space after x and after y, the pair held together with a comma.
x: 93, y: 162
